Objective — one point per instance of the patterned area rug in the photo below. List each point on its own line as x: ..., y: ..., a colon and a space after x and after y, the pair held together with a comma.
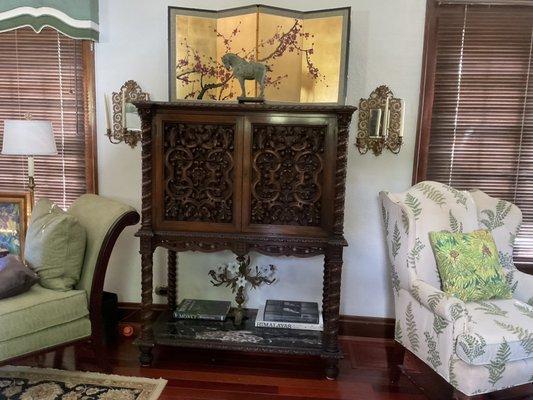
x: 26, y: 383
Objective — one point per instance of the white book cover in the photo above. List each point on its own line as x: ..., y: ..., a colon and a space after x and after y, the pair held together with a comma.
x: 261, y: 323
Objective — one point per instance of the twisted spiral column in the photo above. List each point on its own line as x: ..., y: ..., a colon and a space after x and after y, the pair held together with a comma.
x: 343, y: 126
x: 146, y: 158
x: 331, y: 306
x: 172, y: 279
x: 146, y: 338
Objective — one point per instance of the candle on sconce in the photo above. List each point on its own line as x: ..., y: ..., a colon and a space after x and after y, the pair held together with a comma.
x: 124, y: 109
x: 385, y: 129
x: 107, y: 116
x: 402, y: 105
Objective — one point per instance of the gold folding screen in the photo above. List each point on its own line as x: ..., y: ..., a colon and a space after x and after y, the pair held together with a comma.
x: 306, y: 52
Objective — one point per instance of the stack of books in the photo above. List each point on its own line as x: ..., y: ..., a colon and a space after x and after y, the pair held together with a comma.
x: 210, y: 310
x: 290, y: 315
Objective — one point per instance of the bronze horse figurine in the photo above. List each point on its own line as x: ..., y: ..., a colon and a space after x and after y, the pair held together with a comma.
x: 246, y: 70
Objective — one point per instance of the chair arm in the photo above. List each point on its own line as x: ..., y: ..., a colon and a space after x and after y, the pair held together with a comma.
x: 521, y: 284
x: 445, y: 306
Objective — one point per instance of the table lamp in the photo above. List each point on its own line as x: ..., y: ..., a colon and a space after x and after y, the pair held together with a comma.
x: 30, y: 138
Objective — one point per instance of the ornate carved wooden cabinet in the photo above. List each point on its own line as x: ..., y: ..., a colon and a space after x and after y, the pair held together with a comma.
x: 268, y: 178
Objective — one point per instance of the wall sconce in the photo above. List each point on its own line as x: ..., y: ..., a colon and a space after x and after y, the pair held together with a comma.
x: 126, y: 122
x: 381, y: 119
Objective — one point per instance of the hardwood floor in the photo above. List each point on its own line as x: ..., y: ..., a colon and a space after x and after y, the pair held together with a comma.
x: 195, y: 375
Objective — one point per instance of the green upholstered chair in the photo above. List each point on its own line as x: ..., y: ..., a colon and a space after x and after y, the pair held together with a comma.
x: 43, y: 320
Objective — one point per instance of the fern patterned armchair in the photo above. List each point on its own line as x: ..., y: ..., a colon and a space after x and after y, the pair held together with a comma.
x: 477, y: 347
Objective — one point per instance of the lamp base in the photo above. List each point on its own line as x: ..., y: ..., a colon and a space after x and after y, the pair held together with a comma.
x: 31, y: 186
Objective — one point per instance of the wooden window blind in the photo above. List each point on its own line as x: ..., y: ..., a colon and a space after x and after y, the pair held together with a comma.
x: 479, y: 133
x: 44, y: 74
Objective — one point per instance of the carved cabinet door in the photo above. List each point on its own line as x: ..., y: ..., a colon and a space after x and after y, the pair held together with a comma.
x: 288, y: 174
x: 198, y: 161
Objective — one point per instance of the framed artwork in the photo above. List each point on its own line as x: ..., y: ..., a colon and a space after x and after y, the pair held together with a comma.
x: 15, y: 210
x: 306, y: 53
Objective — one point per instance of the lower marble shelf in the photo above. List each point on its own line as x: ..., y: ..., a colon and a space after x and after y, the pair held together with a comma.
x: 226, y: 336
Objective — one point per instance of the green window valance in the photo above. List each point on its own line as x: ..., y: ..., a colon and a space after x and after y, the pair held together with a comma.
x: 75, y: 18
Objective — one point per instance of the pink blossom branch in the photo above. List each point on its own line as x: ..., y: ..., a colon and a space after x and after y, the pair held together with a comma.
x: 194, y: 63
x: 284, y: 39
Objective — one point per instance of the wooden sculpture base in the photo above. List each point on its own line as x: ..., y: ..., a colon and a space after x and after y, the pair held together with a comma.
x: 243, y: 100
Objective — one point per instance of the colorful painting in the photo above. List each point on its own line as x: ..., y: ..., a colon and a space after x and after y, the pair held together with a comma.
x: 14, y: 210
x: 305, y: 52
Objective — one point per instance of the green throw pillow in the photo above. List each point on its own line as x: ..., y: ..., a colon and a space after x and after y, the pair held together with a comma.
x: 55, y: 246
x: 469, y: 265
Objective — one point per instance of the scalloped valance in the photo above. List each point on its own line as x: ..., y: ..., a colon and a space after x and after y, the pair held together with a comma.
x: 77, y: 19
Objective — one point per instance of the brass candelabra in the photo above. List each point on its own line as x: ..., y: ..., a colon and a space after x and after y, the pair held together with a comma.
x: 237, y: 275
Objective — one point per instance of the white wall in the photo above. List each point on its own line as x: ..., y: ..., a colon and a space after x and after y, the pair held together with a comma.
x: 385, y: 48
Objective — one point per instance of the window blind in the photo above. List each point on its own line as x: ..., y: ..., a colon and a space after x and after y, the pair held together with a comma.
x: 481, y: 133
x: 42, y: 74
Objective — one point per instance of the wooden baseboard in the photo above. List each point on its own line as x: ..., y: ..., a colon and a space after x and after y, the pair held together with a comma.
x: 349, y: 325
x: 128, y: 306
x: 375, y: 327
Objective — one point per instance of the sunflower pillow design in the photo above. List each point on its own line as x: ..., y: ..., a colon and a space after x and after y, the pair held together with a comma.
x: 469, y: 266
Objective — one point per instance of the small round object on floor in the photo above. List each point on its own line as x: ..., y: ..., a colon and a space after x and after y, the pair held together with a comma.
x: 128, y: 331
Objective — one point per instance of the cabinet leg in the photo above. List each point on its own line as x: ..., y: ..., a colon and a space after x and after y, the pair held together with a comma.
x: 331, y: 297
x: 397, y: 356
x: 146, y: 337
x: 332, y: 368
x: 146, y: 357
x: 172, y: 279
x: 330, y: 306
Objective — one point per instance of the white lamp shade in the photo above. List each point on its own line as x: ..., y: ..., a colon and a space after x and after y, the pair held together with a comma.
x: 28, y: 137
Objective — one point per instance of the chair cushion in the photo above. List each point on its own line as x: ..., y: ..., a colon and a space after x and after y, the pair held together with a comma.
x: 55, y: 246
x: 36, y: 341
x: 469, y: 266
x: 38, y: 309
x: 498, y: 332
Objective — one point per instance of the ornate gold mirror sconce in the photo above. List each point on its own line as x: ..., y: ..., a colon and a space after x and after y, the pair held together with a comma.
x: 381, y: 119
x: 125, y: 124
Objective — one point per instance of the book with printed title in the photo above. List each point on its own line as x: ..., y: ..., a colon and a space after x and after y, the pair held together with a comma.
x: 289, y: 315
x: 212, y: 310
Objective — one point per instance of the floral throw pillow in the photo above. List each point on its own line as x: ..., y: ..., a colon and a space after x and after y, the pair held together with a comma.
x: 469, y: 266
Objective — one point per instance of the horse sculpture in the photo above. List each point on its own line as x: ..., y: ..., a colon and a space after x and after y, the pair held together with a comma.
x: 246, y: 70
